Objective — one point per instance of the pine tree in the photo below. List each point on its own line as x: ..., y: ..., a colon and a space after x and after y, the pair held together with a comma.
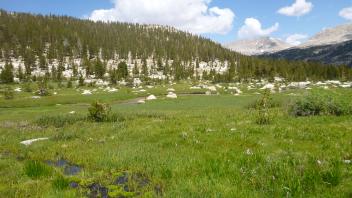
x: 20, y: 75
x: 99, y: 69
x: 122, y: 71
x: 113, y: 76
x: 59, y: 75
x: 145, y: 69
x: 135, y: 70
x: 81, y: 80
x: 6, y: 75
x: 42, y: 63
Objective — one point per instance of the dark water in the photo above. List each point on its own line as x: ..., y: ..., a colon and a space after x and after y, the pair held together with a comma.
x: 69, y: 168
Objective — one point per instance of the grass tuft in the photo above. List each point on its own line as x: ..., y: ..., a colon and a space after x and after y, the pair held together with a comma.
x: 37, y: 169
x: 60, y: 183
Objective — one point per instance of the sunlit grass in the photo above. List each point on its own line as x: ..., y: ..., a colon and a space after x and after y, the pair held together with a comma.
x: 194, y: 146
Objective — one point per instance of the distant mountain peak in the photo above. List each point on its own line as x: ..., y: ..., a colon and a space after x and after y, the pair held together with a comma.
x: 330, y: 36
x: 330, y: 46
x: 258, y: 46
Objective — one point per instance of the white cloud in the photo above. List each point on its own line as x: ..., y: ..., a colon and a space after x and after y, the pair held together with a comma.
x: 296, y: 39
x: 299, y: 8
x: 346, y: 13
x: 190, y: 15
x: 253, y: 28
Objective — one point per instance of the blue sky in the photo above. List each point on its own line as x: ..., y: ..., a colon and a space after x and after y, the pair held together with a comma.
x: 225, y: 28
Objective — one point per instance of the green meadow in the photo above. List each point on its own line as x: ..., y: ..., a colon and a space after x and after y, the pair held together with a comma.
x: 194, y: 146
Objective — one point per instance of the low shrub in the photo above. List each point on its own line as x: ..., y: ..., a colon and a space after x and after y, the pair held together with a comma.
x: 99, y: 112
x: 271, y: 103
x: 263, y: 109
x: 42, y: 88
x: 316, y: 103
x: 37, y: 169
x: 27, y: 87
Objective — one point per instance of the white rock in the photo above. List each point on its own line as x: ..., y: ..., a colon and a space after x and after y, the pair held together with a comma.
x: 195, y: 87
x: 142, y: 90
x: 72, y: 112
x: 300, y: 85
x: 137, y: 82
x: 278, y: 79
x: 111, y: 90
x: 18, y: 89
x: 333, y: 82
x: 87, y: 92
x: 171, y: 95
x: 16, y: 80
x: 29, y: 142
x: 151, y: 97
x: 237, y: 90
x: 171, y: 90
x: 36, y: 97
x: 346, y: 86
x: 268, y: 86
x: 141, y: 101
x: 212, y: 88
x: 347, y: 161
x: 320, y: 83
x: 208, y: 93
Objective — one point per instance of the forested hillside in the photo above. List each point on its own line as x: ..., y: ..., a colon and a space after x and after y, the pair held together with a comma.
x: 51, y: 45
x: 338, y: 54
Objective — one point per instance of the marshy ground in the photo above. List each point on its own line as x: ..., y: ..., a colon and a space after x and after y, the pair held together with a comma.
x: 193, y: 146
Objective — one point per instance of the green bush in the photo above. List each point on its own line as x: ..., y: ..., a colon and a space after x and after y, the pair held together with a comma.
x: 27, y: 87
x: 42, y: 88
x: 271, y: 103
x: 99, y: 112
x: 316, y: 103
x: 263, y: 109
x: 37, y: 169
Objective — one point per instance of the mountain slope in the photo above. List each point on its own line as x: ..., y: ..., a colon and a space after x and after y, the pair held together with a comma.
x: 330, y: 36
x: 331, y: 46
x: 338, y: 54
x: 65, y: 36
x: 258, y: 46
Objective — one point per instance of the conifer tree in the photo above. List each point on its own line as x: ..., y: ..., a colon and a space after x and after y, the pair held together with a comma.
x: 6, y: 75
x: 99, y: 69
x: 122, y: 71
x: 20, y: 75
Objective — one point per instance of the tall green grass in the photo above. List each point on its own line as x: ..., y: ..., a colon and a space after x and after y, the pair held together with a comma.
x: 36, y: 169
